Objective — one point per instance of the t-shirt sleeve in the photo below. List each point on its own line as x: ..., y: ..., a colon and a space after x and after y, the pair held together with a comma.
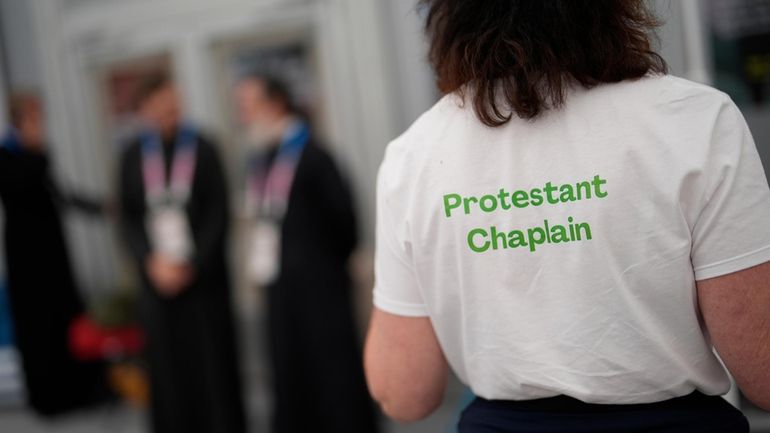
x: 396, y: 288
x: 732, y: 232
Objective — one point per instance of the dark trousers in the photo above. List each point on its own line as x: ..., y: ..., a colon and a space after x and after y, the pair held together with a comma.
x: 695, y: 413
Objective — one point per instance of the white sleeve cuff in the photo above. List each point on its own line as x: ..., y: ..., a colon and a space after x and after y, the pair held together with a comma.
x: 399, y: 308
x: 735, y: 264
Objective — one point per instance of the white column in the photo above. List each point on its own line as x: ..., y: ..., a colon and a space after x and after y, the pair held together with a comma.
x: 694, y: 33
x: 3, y: 99
x: 362, y: 77
x: 3, y: 124
x: 412, y: 79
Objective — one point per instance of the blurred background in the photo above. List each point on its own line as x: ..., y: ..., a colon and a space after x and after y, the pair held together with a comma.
x: 357, y: 70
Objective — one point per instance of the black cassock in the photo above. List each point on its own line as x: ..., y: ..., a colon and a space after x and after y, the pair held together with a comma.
x: 43, y: 296
x: 318, y: 379
x: 191, y: 351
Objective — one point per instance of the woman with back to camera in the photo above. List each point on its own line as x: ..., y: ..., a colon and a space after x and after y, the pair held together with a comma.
x: 571, y: 230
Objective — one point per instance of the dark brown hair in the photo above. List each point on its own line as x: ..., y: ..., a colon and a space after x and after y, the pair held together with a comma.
x: 520, y: 56
x: 276, y: 90
x: 148, y: 86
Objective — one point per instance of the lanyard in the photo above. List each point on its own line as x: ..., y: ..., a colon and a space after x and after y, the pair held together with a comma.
x: 269, y: 185
x: 11, y: 140
x: 158, y: 191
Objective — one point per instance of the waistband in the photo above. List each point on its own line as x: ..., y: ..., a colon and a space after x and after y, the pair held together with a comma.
x: 563, y: 403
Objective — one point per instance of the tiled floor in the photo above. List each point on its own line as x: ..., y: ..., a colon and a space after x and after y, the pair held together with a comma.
x: 106, y: 420
x: 124, y: 420
x: 759, y: 420
x: 121, y: 419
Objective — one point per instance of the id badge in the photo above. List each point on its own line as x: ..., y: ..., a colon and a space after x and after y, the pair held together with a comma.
x: 264, y: 259
x: 170, y: 233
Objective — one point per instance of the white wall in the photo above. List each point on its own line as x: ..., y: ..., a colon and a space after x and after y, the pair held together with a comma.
x: 20, y: 40
x: 682, y: 38
x: 411, y: 78
x: 3, y: 123
x: 3, y: 97
x: 355, y: 80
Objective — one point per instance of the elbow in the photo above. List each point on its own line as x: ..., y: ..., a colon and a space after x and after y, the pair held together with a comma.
x: 758, y: 395
x: 402, y: 401
x: 405, y: 369
x: 752, y: 379
x: 407, y: 409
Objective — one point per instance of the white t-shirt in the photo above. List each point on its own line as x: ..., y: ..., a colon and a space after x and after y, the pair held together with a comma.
x: 559, y: 256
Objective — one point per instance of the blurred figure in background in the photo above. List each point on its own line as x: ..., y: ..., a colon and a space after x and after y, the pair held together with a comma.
x: 43, y: 296
x: 304, y: 233
x: 175, y: 218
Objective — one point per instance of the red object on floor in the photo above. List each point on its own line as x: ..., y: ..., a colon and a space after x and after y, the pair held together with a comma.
x: 90, y: 342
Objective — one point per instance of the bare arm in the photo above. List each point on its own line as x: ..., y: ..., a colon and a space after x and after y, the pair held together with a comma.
x: 405, y: 367
x: 736, y: 308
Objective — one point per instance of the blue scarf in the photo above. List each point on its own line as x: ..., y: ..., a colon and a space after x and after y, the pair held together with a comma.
x: 11, y: 141
x: 269, y: 185
x: 180, y: 177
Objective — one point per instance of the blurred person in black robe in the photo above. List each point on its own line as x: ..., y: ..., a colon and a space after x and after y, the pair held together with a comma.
x: 43, y: 295
x: 304, y: 233
x: 174, y: 217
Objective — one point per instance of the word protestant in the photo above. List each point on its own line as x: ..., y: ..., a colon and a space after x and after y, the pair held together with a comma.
x: 481, y: 239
